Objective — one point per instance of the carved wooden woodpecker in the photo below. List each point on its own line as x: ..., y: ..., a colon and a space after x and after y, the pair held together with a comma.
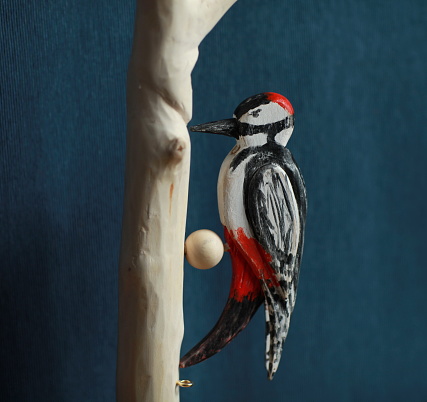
x: 262, y: 205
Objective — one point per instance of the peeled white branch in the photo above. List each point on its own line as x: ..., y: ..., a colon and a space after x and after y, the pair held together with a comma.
x: 166, y: 38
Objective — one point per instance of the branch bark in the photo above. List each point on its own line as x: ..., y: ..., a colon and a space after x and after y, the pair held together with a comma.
x: 165, y: 49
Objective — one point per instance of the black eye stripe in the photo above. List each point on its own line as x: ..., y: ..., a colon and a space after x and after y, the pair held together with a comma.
x: 271, y: 129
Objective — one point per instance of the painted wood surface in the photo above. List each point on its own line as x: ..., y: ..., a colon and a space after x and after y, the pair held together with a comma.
x: 165, y: 48
x: 262, y: 204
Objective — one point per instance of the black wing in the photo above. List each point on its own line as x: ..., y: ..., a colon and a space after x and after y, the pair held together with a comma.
x: 275, y: 208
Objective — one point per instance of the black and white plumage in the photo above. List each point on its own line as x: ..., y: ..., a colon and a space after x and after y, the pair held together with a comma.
x: 262, y: 205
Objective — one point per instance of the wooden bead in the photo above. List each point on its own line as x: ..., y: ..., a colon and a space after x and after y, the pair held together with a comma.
x: 203, y: 249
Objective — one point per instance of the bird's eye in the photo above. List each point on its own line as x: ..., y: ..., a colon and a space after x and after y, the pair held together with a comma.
x: 255, y: 113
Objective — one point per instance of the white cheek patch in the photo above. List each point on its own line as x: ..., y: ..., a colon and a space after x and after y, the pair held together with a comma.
x: 264, y: 114
x: 282, y: 138
x: 254, y: 140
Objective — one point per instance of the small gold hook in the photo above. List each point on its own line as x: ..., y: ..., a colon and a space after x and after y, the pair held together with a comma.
x: 184, y: 383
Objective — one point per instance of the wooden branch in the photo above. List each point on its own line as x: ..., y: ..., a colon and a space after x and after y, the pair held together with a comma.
x: 167, y: 35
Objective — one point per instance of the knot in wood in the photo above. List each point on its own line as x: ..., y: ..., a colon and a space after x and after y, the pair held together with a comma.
x: 176, y: 150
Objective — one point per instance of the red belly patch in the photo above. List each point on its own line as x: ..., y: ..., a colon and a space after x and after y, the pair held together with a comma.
x: 250, y: 263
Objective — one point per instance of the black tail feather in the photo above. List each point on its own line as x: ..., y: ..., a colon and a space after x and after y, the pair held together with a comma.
x: 234, y: 318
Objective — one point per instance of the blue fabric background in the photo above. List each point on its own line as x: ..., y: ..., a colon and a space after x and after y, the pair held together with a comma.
x: 356, y: 75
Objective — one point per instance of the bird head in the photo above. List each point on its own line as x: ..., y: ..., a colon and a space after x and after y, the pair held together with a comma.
x: 258, y: 119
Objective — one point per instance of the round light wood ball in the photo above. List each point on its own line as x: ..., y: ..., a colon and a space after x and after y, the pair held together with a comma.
x: 203, y: 249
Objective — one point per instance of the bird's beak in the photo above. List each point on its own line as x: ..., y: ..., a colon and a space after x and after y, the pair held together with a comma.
x: 226, y: 127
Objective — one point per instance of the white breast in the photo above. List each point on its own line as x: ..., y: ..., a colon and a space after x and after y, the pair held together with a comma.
x: 230, y: 193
